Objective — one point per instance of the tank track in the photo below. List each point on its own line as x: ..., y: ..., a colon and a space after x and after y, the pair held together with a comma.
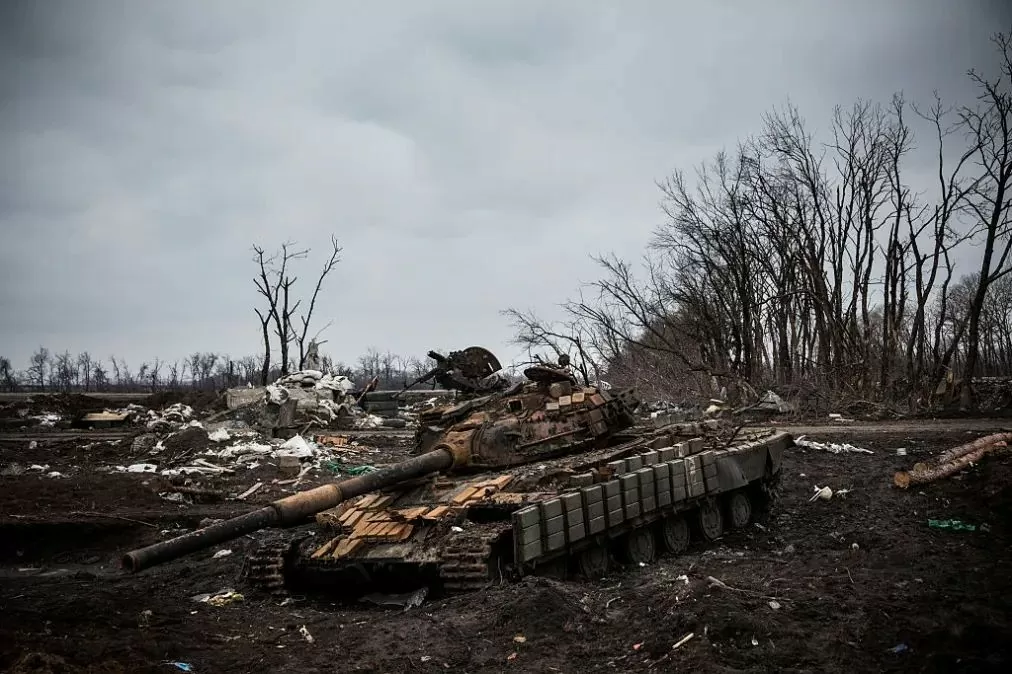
x: 467, y: 562
x: 264, y: 566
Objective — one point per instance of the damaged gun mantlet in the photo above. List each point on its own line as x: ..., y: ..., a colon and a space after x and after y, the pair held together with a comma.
x: 470, y: 371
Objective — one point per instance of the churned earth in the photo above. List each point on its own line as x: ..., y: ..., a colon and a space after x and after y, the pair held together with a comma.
x: 860, y: 582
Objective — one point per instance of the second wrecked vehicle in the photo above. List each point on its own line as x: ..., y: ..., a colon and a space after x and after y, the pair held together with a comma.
x: 505, y: 482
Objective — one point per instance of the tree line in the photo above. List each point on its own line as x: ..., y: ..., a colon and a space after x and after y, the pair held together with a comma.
x: 816, y: 267
x: 49, y: 371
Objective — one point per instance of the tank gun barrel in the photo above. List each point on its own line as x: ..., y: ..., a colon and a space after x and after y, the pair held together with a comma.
x: 420, y: 380
x: 442, y: 364
x: 288, y: 511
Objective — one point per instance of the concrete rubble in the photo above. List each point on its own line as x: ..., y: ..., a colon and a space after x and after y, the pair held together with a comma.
x: 306, y: 397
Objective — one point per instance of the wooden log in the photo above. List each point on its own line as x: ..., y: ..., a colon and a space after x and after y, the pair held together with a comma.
x: 922, y: 473
x: 957, y: 452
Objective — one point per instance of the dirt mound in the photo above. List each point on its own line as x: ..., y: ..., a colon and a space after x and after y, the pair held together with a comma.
x: 203, y: 403
x: 65, y: 404
x: 540, y: 606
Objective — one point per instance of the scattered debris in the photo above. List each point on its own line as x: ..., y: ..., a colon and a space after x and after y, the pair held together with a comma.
x: 832, y: 447
x: 222, y: 553
x: 219, y: 598
x: 219, y: 435
x: 684, y: 640
x: 824, y: 493
x: 954, y: 525
x: 305, y: 634
x: 138, y: 468
x: 249, y: 492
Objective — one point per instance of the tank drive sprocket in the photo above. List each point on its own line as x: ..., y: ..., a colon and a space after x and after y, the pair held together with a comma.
x: 266, y: 562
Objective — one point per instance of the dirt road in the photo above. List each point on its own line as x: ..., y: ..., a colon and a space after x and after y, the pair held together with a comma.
x: 858, y: 583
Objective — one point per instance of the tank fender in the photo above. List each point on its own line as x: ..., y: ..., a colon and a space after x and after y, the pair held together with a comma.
x: 730, y: 474
x: 776, y: 446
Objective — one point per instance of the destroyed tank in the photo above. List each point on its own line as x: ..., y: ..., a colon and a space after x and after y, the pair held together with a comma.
x: 508, y: 480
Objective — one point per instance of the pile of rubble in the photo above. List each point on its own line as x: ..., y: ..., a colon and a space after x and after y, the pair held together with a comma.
x: 304, y: 399
x: 228, y: 449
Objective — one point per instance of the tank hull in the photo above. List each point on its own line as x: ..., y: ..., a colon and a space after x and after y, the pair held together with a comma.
x: 646, y: 493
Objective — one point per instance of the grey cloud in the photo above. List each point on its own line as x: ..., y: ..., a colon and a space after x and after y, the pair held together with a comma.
x: 470, y: 156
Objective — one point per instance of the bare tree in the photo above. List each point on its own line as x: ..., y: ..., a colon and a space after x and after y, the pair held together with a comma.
x: 64, y: 371
x: 275, y: 284
x: 99, y: 376
x: 989, y: 128
x: 38, y: 371
x: 568, y: 338
x: 174, y: 375
x: 306, y: 319
x: 154, y: 373
x: 7, y: 377
x: 84, y: 364
x: 194, y: 362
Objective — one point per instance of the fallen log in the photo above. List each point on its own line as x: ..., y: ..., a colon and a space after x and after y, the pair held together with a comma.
x: 957, y: 452
x: 922, y: 473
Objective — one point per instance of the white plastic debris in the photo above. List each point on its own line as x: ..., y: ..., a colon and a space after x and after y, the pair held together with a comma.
x: 824, y: 493
x: 47, y: 420
x: 369, y: 421
x: 831, y: 447
x: 305, y: 634
x: 219, y: 435
x: 221, y: 553
x: 138, y: 468
x: 297, y: 447
x: 33, y: 444
x: 774, y: 604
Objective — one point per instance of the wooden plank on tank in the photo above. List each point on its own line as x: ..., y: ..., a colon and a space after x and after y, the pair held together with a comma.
x: 436, y: 513
x: 498, y: 482
x: 346, y: 547
x: 464, y: 495
x: 367, y: 500
x: 326, y: 548
x: 410, y: 514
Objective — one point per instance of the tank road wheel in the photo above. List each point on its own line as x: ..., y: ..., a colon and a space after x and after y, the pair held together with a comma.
x: 593, y: 562
x: 675, y: 534
x: 739, y: 507
x: 711, y: 521
x: 639, y: 546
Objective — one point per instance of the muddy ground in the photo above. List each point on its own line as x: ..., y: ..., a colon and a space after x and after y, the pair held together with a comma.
x: 858, y: 583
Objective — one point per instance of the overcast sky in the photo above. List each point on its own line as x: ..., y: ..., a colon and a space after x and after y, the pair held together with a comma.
x: 470, y: 156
